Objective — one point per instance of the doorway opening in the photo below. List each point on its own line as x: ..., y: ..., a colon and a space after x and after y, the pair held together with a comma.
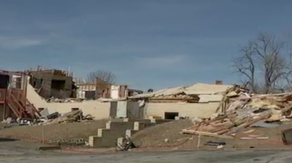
x: 58, y: 84
x: 170, y: 115
x: 4, y: 81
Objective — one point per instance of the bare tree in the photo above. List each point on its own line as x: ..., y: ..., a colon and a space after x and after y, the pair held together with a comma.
x: 150, y: 90
x: 263, y: 63
x: 105, y: 76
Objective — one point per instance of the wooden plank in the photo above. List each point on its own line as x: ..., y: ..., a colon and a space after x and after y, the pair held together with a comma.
x: 185, y: 131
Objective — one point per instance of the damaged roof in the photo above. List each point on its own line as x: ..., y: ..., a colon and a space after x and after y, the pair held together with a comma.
x: 195, y: 89
x: 206, y: 89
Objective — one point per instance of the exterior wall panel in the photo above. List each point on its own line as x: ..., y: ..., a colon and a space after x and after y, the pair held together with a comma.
x: 203, y: 110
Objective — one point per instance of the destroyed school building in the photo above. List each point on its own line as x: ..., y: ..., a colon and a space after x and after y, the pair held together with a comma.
x: 40, y: 92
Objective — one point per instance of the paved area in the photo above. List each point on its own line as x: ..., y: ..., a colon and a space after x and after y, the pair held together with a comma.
x: 15, y: 151
x: 159, y: 157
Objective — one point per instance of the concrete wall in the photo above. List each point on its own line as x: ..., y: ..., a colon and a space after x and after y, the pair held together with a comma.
x: 47, y: 78
x: 203, y: 110
x: 96, y: 109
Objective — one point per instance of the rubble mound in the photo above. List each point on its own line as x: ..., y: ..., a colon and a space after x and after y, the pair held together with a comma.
x: 169, y: 135
x: 163, y: 135
x: 54, y: 132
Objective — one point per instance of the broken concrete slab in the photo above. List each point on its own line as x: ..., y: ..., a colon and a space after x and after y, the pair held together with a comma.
x: 49, y: 147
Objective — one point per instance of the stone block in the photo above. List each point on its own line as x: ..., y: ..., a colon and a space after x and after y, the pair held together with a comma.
x: 99, y: 132
x: 108, y: 125
x: 120, y: 141
x: 128, y: 133
x: 92, y: 140
x: 136, y: 126
x: 99, y: 142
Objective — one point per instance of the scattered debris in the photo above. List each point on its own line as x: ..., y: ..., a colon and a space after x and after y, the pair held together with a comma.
x: 239, y: 110
x: 54, y: 118
x: 68, y: 100
x: 73, y: 116
x: 70, y: 142
x: 214, y: 143
x: 53, y: 115
x: 249, y: 137
x: 127, y: 144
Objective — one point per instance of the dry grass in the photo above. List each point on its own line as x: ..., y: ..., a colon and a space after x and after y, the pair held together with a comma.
x: 55, y: 131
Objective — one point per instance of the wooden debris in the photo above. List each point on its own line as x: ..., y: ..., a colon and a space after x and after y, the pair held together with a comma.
x: 239, y: 110
x: 249, y: 131
x: 72, y: 116
x: 252, y: 138
x: 185, y: 131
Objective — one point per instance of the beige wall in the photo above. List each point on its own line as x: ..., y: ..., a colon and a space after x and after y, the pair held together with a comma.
x: 95, y: 108
x: 101, y: 110
x: 203, y: 110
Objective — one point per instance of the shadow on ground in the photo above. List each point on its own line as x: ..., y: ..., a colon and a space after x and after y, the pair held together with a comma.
x: 7, y: 139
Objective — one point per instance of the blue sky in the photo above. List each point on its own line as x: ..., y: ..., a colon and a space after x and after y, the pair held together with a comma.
x: 146, y: 43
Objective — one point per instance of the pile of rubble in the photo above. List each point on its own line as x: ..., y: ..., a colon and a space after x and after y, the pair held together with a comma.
x: 54, y: 118
x: 239, y: 111
x: 68, y: 100
x: 175, y: 96
x: 73, y: 116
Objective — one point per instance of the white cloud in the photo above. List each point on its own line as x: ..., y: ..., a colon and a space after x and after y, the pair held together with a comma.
x: 16, y: 43
x: 161, y: 62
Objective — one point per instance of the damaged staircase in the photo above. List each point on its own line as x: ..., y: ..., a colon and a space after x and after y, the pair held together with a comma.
x: 115, y: 129
x: 19, y: 105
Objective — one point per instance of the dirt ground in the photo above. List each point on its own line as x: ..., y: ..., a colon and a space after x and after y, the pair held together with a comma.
x: 164, y: 136
x: 159, y: 157
x: 168, y: 135
x: 66, y: 131
x: 15, y: 151
x: 157, y: 135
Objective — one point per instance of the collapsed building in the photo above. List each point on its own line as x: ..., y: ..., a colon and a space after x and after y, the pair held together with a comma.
x: 27, y: 94
x: 103, y: 100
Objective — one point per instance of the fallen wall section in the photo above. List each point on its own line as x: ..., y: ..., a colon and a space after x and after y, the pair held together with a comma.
x: 97, y: 109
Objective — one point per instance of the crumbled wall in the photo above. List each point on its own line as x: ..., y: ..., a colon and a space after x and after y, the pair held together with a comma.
x: 47, y: 91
